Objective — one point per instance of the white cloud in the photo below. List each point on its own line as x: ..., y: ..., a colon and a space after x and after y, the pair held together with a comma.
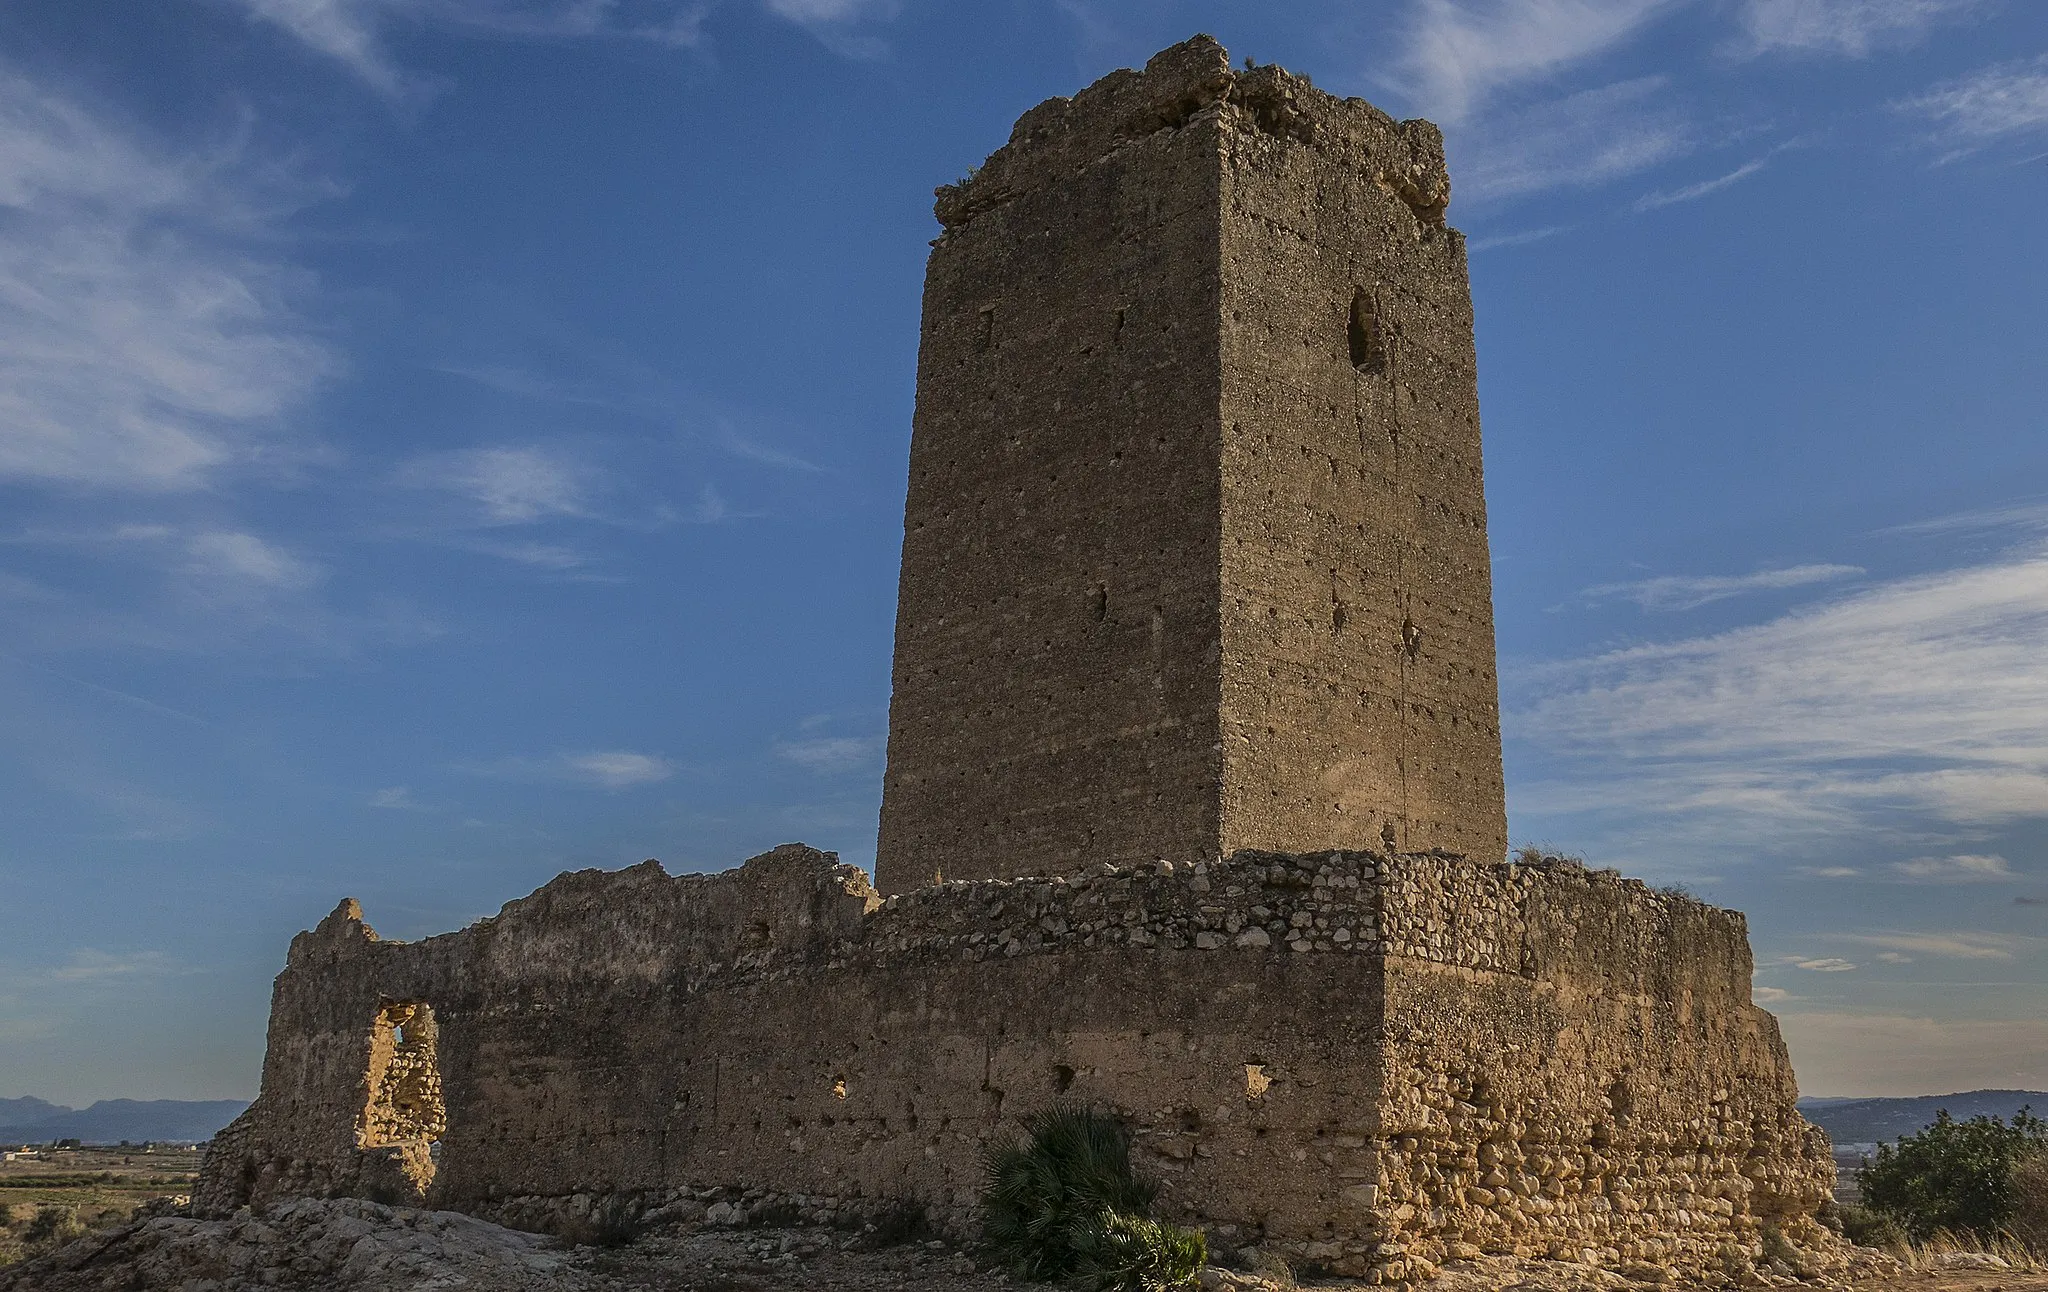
x: 831, y: 21
x: 1458, y: 53
x: 831, y: 753
x: 1826, y: 964
x: 396, y: 797
x: 206, y: 589
x: 1924, y: 695
x: 618, y: 769
x: 1899, y: 1054
x: 143, y: 343
x: 1521, y: 239
x: 1963, y: 868
x: 710, y: 508
x: 1830, y: 872
x: 1953, y: 946
x: 245, y: 558
x: 87, y: 965
x: 1690, y: 591
x: 811, y: 11
x: 508, y: 486
x: 741, y: 447
x: 1693, y: 192
x: 1894, y: 958
x: 1585, y: 138
x: 544, y: 556
x: 1770, y: 995
x: 1986, y: 106
x: 1853, y: 28
x: 2018, y: 515
x: 351, y: 31
x: 611, y: 769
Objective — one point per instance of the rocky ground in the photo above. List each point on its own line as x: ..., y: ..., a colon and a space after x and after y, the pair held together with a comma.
x: 352, y: 1246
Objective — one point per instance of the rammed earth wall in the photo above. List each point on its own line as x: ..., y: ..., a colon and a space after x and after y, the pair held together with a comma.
x: 1361, y: 1061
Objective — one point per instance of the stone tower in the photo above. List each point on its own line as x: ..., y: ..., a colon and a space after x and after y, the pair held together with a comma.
x: 1194, y: 553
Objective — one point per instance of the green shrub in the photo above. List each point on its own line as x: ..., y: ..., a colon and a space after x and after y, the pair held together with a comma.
x: 1118, y: 1250
x: 1868, y: 1227
x: 1067, y: 1204
x: 52, y: 1227
x: 1954, y: 1176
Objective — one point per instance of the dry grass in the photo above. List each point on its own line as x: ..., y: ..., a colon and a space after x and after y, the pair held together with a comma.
x: 2029, y: 1221
x: 1927, y: 1257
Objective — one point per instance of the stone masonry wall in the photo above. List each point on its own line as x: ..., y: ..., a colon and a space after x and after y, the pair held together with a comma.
x: 1359, y: 1061
x: 1194, y: 552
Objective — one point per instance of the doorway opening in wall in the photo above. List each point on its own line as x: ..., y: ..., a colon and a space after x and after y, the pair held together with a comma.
x: 406, y: 1117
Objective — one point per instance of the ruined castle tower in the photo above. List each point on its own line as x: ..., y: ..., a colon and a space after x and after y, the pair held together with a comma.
x: 1195, y: 564
x: 1194, y: 554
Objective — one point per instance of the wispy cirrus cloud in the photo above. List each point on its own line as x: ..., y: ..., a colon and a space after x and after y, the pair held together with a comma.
x: 1960, y: 868
x: 352, y: 31
x: 239, y: 558
x: 1490, y: 72
x: 1823, y: 964
x: 1848, y: 28
x: 831, y: 753
x: 508, y: 485
x: 2010, y: 515
x: 752, y: 450
x: 1521, y: 238
x: 1953, y: 946
x: 1694, y: 192
x: 835, y: 22
x: 1690, y: 591
x: 148, y: 333
x: 617, y: 769
x: 197, y: 587
x: 1921, y: 695
x: 89, y: 965
x: 1462, y: 58
x: 1459, y: 53
x: 1586, y: 138
x: 1987, y: 107
x: 609, y: 769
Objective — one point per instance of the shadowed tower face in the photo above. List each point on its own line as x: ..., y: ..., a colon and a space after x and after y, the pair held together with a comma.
x: 1195, y: 553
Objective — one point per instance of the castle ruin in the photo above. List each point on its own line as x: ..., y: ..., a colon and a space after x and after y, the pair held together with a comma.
x: 1193, y: 806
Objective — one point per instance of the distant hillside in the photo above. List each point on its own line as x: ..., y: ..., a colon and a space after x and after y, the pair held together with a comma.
x: 22, y: 1112
x: 32, y: 1121
x: 1876, y: 1121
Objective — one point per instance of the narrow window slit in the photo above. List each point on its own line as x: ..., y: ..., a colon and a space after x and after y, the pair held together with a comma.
x: 1367, y: 333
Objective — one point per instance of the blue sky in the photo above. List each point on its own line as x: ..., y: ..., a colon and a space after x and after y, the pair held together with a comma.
x: 445, y: 442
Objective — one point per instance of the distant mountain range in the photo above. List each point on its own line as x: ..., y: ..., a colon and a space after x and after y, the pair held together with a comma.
x: 1878, y: 1121
x: 36, y: 1121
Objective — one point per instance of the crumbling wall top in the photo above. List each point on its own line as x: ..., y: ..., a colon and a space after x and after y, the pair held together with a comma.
x: 1194, y: 79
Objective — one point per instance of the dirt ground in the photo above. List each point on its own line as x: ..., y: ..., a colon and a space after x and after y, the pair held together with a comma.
x: 347, y: 1245
x: 806, y: 1261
